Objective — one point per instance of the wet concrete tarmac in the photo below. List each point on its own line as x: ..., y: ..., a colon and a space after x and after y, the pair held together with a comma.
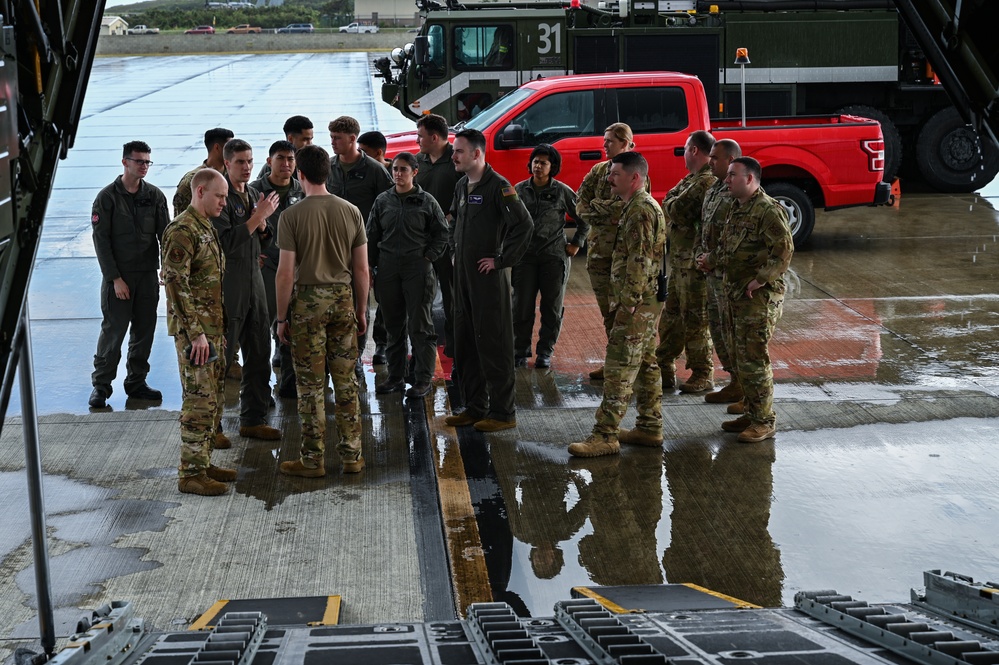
x: 886, y: 400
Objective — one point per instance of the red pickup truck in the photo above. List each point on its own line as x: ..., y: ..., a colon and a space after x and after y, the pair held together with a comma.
x: 808, y: 161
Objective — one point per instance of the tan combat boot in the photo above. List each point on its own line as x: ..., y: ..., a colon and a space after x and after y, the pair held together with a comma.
x: 737, y: 425
x: 222, y: 441
x: 597, y: 374
x: 730, y: 393
x: 596, y: 445
x: 640, y: 437
x: 736, y: 408
x: 201, y: 484
x: 264, y: 432
x: 757, y: 432
x: 698, y: 382
x: 221, y: 474
x: 493, y: 425
x: 464, y: 418
x: 297, y: 468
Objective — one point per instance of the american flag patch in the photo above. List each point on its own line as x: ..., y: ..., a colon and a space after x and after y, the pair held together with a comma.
x: 509, y: 192
x: 96, y: 218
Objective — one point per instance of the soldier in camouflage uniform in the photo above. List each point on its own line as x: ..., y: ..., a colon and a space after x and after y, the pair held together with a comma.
x: 324, y: 252
x: 684, y: 324
x: 631, y: 345
x: 358, y: 178
x: 754, y: 252
x: 193, y: 265
x: 717, y: 203
x: 599, y: 208
x: 215, y: 140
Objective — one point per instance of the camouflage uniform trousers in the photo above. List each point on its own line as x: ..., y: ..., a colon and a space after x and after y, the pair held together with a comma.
x: 684, y: 323
x: 720, y: 322
x: 203, y: 390
x: 753, y: 323
x: 600, y: 278
x: 324, y: 331
x: 631, y: 366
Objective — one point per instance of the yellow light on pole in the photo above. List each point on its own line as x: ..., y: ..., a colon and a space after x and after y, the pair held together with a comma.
x: 742, y: 59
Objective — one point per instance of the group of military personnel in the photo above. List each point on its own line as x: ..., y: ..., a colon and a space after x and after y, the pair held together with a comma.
x: 728, y: 247
x: 442, y: 218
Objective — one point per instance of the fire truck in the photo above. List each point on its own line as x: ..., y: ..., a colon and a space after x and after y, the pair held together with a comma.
x: 812, y: 57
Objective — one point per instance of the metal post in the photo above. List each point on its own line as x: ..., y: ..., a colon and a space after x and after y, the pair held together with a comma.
x: 743, y: 68
x: 36, y: 496
x: 742, y: 59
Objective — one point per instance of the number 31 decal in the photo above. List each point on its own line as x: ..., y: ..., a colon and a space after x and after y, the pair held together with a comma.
x: 548, y: 32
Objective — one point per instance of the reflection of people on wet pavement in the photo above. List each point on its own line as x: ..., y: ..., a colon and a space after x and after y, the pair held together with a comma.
x: 535, y: 483
x: 624, y: 502
x: 719, y: 524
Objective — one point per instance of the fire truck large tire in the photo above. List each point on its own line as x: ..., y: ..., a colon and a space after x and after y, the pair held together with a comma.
x: 893, y: 140
x: 799, y: 208
x: 951, y: 156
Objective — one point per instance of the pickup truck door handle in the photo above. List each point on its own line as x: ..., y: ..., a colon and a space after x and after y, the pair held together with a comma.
x: 678, y: 152
x: 590, y: 155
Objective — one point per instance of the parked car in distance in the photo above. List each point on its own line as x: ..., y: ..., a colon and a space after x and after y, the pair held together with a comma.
x: 201, y: 30
x: 142, y: 30
x: 243, y: 29
x: 297, y: 27
x: 359, y: 28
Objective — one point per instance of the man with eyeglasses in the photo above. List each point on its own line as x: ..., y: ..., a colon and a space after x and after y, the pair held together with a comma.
x: 128, y: 219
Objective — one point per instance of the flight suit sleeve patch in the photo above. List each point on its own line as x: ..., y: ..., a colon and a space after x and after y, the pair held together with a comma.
x: 510, y: 193
x: 95, y: 219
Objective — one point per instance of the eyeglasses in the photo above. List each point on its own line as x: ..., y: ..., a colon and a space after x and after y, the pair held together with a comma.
x: 140, y: 162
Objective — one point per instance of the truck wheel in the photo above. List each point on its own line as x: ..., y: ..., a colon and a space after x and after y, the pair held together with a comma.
x: 951, y: 156
x: 799, y: 209
x: 893, y: 140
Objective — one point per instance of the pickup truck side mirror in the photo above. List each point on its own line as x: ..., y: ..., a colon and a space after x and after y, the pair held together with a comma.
x: 421, y: 50
x: 512, y: 136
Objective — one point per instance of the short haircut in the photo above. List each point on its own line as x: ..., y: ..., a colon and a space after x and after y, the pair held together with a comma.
x: 702, y: 140
x: 296, y: 124
x: 314, y: 163
x: 345, y: 125
x: 473, y: 136
x: 203, y: 177
x: 549, y: 151
x: 374, y: 140
x: 281, y: 146
x: 435, y: 124
x: 633, y: 162
x: 409, y: 158
x: 217, y: 136
x: 752, y: 166
x: 730, y: 147
x: 232, y: 146
x: 134, y: 146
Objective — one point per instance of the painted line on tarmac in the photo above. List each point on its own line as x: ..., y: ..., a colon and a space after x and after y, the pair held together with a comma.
x: 469, y: 574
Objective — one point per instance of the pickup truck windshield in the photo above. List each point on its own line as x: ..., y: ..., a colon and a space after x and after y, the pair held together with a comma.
x: 487, y: 116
